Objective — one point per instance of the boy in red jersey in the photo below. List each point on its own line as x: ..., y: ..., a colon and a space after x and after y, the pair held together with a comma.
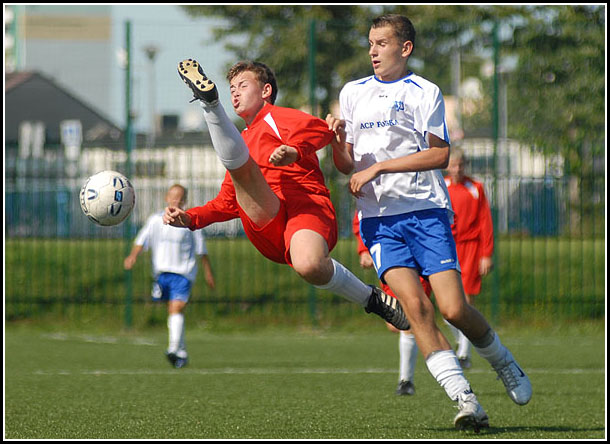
x: 473, y: 233
x: 274, y: 183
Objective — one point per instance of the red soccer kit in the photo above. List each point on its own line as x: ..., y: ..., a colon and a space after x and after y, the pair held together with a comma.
x: 472, y: 229
x: 304, y: 199
x: 362, y: 248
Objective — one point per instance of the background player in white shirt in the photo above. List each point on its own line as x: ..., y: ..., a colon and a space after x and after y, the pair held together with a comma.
x: 174, y: 253
x: 395, y: 132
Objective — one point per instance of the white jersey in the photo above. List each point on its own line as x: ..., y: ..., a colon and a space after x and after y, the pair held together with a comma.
x: 387, y: 120
x: 174, y: 249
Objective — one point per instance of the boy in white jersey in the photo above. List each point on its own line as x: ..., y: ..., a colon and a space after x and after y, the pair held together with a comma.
x: 174, y: 265
x: 393, y: 126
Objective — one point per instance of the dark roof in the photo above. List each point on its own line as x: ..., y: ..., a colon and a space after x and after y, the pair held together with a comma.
x: 30, y: 96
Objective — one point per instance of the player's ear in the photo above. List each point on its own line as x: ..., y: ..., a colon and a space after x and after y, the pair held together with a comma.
x: 407, y: 48
x: 267, y: 91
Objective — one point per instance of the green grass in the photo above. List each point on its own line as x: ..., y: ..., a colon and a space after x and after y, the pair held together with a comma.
x: 285, y: 383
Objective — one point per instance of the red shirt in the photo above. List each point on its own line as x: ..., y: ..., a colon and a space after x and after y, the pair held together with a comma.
x: 472, y: 220
x: 272, y: 127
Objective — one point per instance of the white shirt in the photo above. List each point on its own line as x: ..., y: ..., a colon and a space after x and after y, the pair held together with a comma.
x: 174, y: 249
x: 387, y: 120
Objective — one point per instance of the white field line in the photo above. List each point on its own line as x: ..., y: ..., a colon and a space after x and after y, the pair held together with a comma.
x: 287, y: 371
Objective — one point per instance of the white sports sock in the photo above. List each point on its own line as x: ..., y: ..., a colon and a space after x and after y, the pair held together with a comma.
x: 226, y: 139
x: 175, y: 325
x: 495, y: 353
x: 446, y: 369
x: 456, y: 331
x: 463, y: 350
x: 345, y: 283
x: 407, y: 348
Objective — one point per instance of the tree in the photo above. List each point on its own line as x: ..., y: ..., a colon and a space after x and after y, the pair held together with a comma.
x: 559, y: 85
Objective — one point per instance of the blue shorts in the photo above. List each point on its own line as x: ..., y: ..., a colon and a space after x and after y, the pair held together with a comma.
x: 171, y: 287
x: 421, y: 240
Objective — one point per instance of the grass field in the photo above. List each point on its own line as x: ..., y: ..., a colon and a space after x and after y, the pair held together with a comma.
x: 282, y: 383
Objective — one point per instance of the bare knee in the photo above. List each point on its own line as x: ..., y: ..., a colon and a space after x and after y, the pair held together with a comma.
x: 313, y: 269
x: 454, y: 314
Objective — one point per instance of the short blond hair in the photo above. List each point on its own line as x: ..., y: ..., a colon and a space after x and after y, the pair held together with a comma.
x: 184, y: 190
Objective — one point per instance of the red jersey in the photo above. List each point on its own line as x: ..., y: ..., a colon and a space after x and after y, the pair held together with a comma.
x: 272, y: 127
x: 304, y: 199
x: 472, y: 220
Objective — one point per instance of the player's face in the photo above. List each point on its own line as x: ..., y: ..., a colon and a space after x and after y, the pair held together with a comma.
x: 456, y: 170
x: 248, y: 95
x: 388, y: 54
x: 175, y: 197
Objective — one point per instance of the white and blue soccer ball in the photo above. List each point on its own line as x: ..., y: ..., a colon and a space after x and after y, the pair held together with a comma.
x: 107, y: 198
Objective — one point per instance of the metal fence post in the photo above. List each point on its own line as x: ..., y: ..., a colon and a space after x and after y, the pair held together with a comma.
x: 128, y: 147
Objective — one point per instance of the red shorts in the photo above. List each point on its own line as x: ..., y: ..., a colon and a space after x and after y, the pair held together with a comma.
x: 424, y: 283
x: 298, y: 210
x: 468, y: 255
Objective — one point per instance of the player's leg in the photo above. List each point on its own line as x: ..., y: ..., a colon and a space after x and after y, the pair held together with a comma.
x: 179, y: 289
x: 253, y: 193
x: 407, y: 351
x: 452, y: 304
x: 440, y: 358
x: 463, y: 343
x: 310, y: 258
x: 176, y: 348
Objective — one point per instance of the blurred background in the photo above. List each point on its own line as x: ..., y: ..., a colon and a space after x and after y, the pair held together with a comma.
x: 95, y: 87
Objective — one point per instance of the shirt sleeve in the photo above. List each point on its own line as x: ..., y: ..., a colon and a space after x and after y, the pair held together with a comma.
x: 143, y: 236
x: 306, y: 133
x: 486, y: 231
x: 346, y: 114
x: 220, y: 209
x: 200, y: 246
x: 430, y: 116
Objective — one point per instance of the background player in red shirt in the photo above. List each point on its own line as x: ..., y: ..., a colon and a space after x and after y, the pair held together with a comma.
x: 473, y: 233
x: 274, y: 183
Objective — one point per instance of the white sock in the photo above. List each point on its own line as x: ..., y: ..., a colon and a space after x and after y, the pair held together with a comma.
x: 495, y: 353
x: 456, y: 331
x: 345, y: 283
x: 463, y: 350
x: 446, y: 369
x: 182, y: 346
x: 226, y: 139
x: 407, y: 348
x: 175, y: 326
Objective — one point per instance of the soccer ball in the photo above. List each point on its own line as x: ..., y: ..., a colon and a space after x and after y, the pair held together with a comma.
x: 107, y: 198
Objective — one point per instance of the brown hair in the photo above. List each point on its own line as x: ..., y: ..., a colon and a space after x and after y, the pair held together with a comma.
x: 263, y: 74
x: 403, y: 28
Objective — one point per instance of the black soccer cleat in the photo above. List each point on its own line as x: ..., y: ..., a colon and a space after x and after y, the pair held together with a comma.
x: 387, y: 308
x: 203, y: 88
x: 175, y: 360
x: 405, y: 388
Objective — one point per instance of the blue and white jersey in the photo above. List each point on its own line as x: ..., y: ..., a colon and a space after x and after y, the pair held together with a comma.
x: 174, y: 249
x: 388, y: 120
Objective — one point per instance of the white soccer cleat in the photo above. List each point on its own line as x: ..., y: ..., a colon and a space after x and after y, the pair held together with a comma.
x: 515, y: 380
x: 471, y: 413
